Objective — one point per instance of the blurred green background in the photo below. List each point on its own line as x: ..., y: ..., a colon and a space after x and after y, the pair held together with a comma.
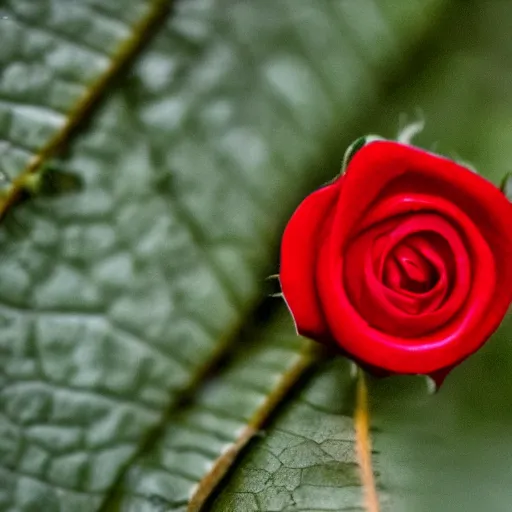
x: 144, y: 367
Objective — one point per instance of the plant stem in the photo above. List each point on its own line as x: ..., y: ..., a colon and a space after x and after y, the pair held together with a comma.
x: 363, y: 443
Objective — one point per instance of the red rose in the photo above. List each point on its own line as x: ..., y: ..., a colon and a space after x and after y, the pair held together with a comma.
x: 404, y: 262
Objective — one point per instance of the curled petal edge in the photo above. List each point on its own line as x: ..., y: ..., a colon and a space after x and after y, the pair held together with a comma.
x: 299, y: 250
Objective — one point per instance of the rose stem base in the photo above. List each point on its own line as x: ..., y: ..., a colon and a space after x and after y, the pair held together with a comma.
x: 363, y: 443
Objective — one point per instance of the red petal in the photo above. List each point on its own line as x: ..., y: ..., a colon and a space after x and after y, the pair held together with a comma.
x: 299, y: 250
x: 374, y: 169
x: 380, y: 306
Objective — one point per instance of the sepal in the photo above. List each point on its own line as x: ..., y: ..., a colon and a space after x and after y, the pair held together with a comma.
x: 355, y: 147
x: 506, y: 185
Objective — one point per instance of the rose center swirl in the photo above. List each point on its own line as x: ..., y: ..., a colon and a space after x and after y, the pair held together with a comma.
x: 407, y: 269
x: 408, y: 275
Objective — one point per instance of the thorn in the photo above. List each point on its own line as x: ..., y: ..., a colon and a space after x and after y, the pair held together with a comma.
x: 353, y: 369
x: 435, y: 379
x: 408, y: 132
x: 277, y: 295
x: 273, y: 276
x: 431, y: 385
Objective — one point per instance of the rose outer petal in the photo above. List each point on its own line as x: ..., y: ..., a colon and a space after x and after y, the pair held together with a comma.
x: 299, y: 251
x: 409, y: 170
x: 372, y: 169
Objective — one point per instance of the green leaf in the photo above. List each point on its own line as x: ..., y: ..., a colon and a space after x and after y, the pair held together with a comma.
x: 199, y: 442
x: 307, y: 459
x: 56, y: 60
x: 118, y: 301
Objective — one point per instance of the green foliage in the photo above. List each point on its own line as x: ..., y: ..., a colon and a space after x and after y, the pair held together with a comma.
x: 133, y: 376
x: 202, y: 438
x: 307, y: 460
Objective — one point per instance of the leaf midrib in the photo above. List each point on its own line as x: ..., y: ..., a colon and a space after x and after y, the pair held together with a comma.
x: 142, y: 33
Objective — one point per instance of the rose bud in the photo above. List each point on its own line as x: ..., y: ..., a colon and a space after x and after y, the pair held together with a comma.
x: 403, y: 262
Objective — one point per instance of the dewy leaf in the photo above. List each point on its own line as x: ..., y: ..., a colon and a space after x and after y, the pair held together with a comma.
x: 307, y: 459
x: 57, y: 57
x: 200, y: 442
x: 117, y: 300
